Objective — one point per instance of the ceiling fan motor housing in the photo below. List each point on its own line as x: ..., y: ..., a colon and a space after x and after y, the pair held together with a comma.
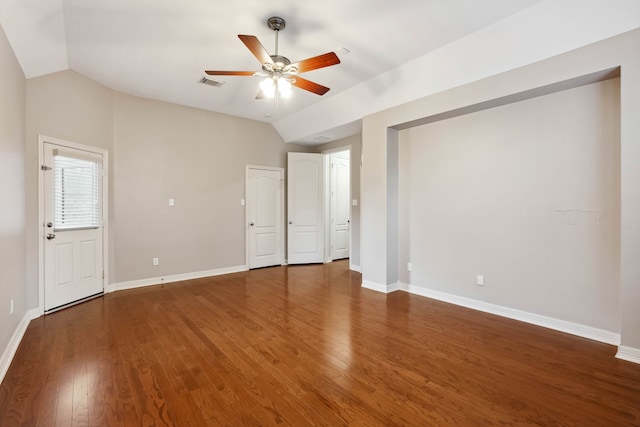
x: 280, y: 65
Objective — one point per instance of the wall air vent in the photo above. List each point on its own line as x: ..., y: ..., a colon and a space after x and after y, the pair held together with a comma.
x: 211, y: 82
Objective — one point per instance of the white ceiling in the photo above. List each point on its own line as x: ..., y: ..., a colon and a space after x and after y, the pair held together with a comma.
x: 159, y: 48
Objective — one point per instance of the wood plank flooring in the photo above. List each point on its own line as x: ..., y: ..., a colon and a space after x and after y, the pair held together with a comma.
x: 305, y: 345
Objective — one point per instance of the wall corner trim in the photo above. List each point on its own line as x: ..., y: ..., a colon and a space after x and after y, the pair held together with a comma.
x: 355, y: 267
x: 629, y: 354
x: 583, y: 331
x: 385, y: 289
x: 14, y: 343
x: 173, y: 278
x: 34, y: 313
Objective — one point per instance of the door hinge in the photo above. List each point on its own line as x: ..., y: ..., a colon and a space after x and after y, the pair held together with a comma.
x: 45, y: 168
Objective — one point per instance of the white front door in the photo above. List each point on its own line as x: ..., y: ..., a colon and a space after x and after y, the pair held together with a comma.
x: 305, y: 208
x: 265, y: 216
x: 73, y: 225
x: 340, y: 207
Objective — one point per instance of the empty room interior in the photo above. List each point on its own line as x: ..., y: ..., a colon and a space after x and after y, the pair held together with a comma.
x: 362, y: 213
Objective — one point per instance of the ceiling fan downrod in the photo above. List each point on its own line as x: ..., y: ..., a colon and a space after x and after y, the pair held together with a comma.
x: 276, y: 24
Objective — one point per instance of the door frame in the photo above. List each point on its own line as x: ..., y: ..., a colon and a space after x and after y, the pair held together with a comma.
x: 327, y: 200
x: 246, y: 212
x: 105, y: 209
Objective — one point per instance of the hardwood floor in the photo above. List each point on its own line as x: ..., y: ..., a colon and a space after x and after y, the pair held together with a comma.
x: 305, y: 345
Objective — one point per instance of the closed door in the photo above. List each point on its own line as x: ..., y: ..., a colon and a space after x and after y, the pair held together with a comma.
x: 264, y: 216
x: 73, y: 225
x: 305, y: 208
x: 340, y: 207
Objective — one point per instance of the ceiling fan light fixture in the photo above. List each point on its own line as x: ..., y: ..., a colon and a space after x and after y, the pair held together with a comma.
x: 284, y: 87
x: 268, y: 87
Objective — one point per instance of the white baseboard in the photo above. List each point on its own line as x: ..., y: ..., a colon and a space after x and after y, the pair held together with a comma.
x: 629, y: 354
x: 36, y: 312
x: 393, y: 287
x: 524, y: 316
x: 14, y: 342
x: 173, y: 278
x: 355, y: 267
x: 378, y: 287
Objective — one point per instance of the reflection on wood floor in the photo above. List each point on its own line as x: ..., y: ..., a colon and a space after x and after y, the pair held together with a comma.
x: 305, y: 345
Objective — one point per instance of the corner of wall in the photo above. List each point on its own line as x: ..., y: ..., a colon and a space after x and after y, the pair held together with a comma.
x: 378, y: 287
x: 629, y: 354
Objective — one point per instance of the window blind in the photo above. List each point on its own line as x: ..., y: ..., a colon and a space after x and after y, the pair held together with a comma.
x: 76, y: 193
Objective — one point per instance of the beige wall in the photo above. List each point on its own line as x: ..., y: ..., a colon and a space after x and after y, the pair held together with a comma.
x: 527, y: 195
x: 157, y: 151
x: 12, y: 190
x: 378, y: 197
x: 355, y: 142
x: 198, y: 158
x: 70, y: 107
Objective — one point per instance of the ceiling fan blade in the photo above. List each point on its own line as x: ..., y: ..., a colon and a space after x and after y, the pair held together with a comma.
x: 320, y: 61
x: 310, y: 86
x: 261, y: 95
x: 230, y: 73
x: 254, y: 45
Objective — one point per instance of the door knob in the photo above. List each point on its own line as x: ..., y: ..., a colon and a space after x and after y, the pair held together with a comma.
x: 51, y: 236
x: 251, y: 224
x: 49, y: 224
x: 290, y: 222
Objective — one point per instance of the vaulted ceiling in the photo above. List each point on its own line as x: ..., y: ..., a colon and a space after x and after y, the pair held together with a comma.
x: 159, y: 49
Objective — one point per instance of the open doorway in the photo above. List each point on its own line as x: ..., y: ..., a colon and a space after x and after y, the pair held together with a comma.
x: 338, y: 204
x: 319, y: 206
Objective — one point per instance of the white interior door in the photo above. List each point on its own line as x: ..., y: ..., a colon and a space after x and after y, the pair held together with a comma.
x: 340, y: 206
x: 264, y: 216
x: 73, y: 225
x: 305, y: 208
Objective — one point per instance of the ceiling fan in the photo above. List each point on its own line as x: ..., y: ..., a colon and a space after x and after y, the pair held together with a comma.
x: 280, y: 74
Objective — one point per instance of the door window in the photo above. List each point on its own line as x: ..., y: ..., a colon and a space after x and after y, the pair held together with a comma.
x: 76, y: 193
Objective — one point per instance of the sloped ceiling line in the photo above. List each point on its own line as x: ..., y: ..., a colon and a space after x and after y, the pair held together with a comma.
x: 399, y: 51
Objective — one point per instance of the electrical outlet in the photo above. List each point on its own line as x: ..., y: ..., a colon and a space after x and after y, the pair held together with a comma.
x: 11, y: 309
x: 480, y: 280
x: 409, y: 266
x: 156, y: 261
